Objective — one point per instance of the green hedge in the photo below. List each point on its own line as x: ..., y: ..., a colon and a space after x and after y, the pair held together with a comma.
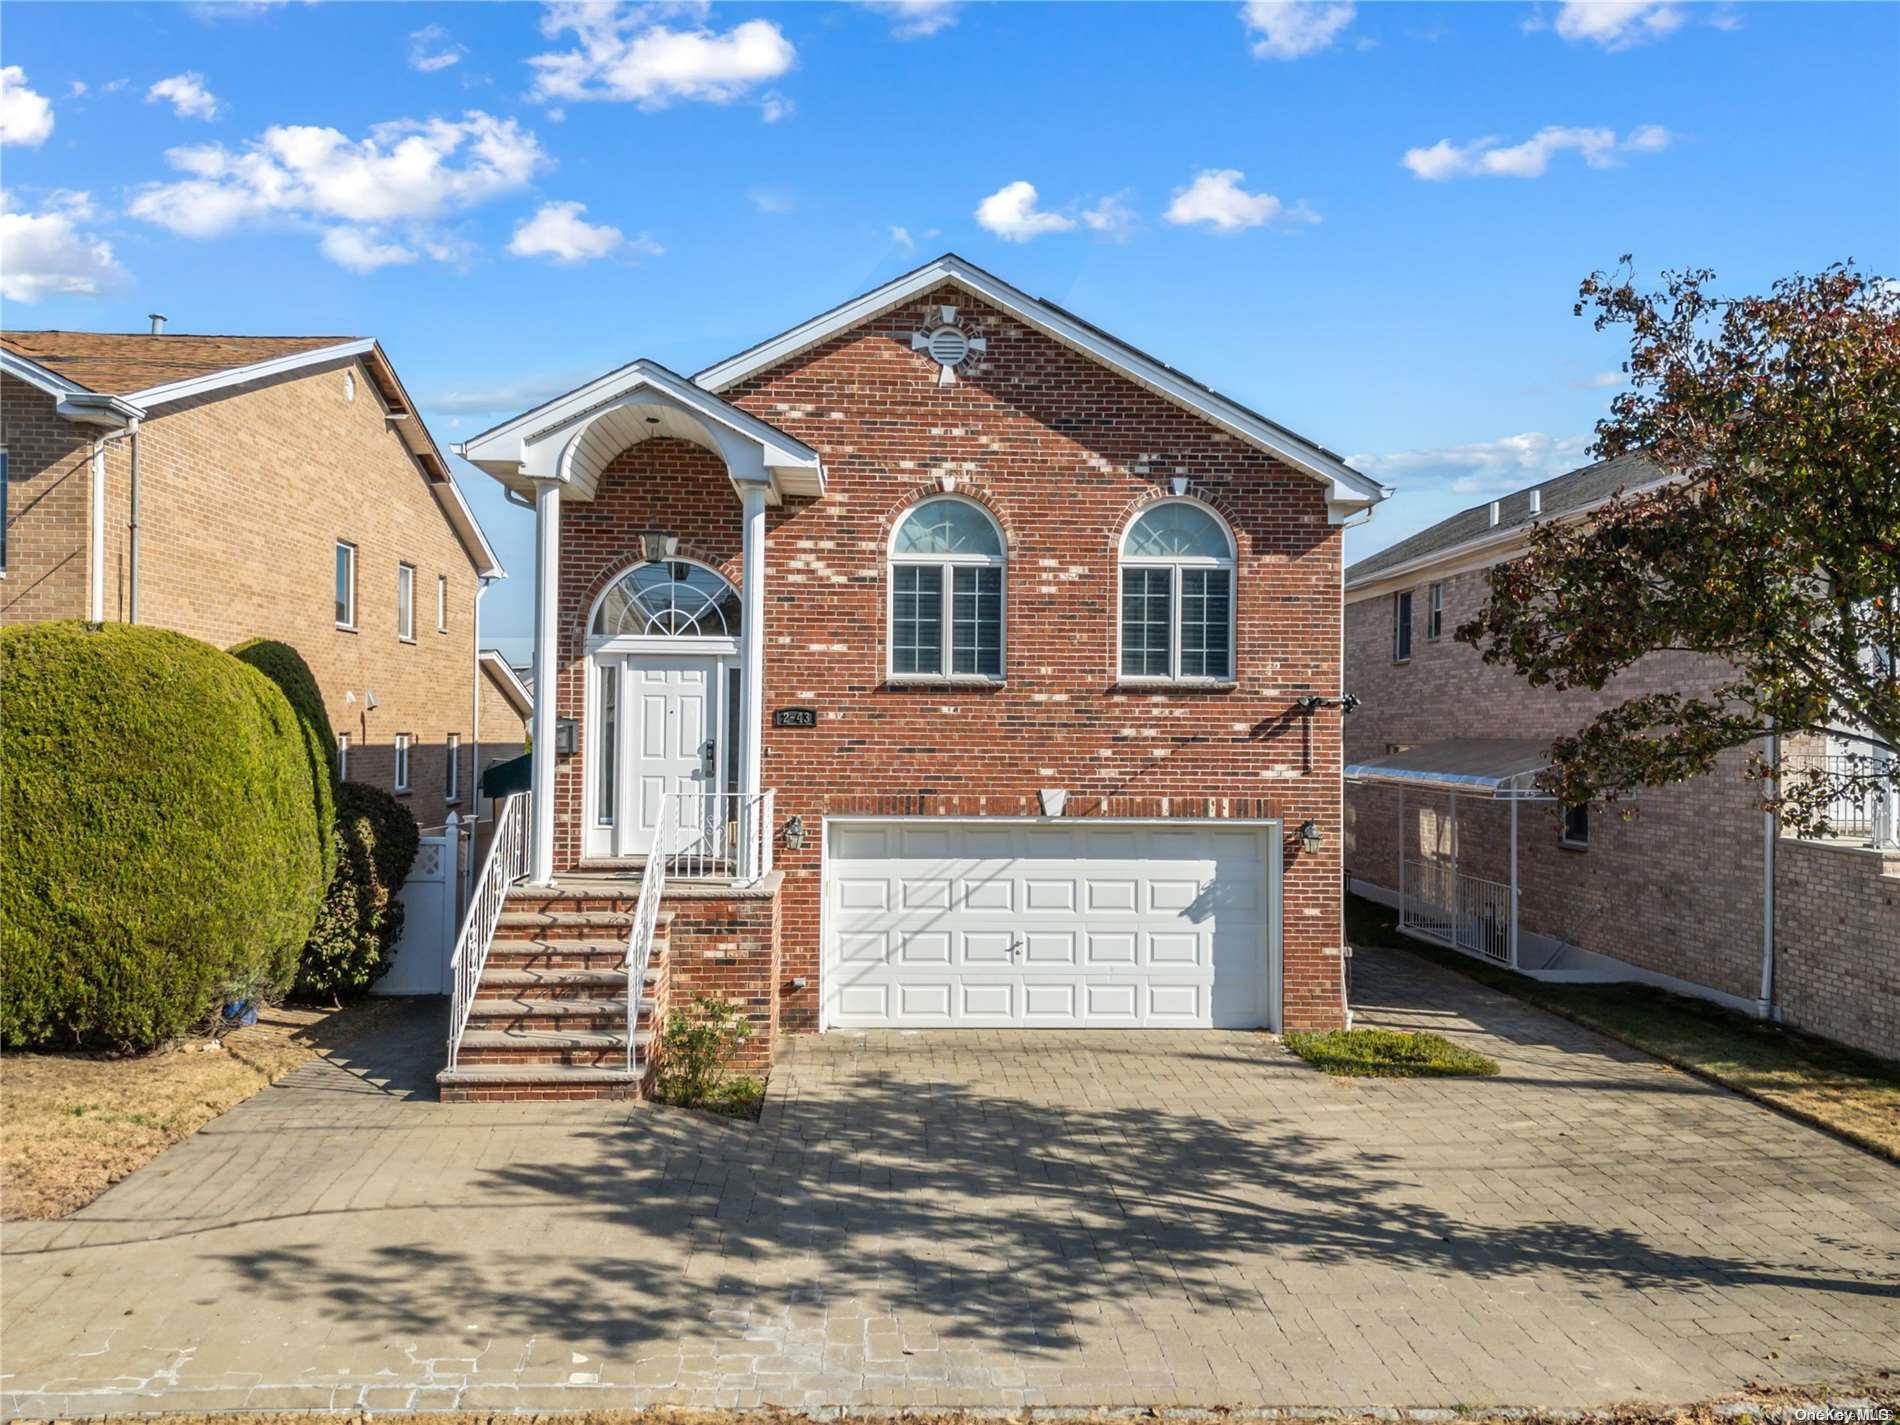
x: 285, y: 667
x: 159, y: 842
x: 361, y: 917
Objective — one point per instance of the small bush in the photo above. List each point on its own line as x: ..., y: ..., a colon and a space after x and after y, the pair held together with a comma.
x: 1389, y: 1053
x: 696, y: 1050
x: 285, y: 667
x: 360, y: 920
x: 158, y: 839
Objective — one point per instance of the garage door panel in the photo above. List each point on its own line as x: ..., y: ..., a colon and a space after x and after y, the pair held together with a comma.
x: 1064, y: 926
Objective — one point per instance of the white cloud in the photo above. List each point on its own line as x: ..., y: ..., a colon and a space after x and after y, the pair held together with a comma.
x: 363, y: 249
x: 45, y: 253
x: 775, y: 106
x: 1483, y: 467
x: 902, y: 237
x: 1011, y: 213
x: 558, y: 230
x: 1618, y: 24
x: 1599, y: 381
x: 1287, y: 29
x: 631, y: 53
x: 773, y: 202
x: 1216, y: 200
x: 76, y: 89
x: 187, y: 95
x: 916, y: 19
x: 1490, y: 157
x: 431, y: 50
x: 1111, y: 216
x: 26, y: 117
x: 407, y: 173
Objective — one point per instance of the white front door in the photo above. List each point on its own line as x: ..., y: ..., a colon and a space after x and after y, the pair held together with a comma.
x: 1063, y: 925
x: 655, y: 731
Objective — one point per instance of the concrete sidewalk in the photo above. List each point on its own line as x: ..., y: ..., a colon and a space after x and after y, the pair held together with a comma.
x: 987, y: 1219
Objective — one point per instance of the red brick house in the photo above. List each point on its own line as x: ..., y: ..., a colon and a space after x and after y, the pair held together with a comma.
x: 971, y: 668
x: 236, y: 487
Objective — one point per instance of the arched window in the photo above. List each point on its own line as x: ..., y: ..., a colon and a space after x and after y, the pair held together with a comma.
x: 671, y: 599
x: 947, y: 592
x: 1177, y: 595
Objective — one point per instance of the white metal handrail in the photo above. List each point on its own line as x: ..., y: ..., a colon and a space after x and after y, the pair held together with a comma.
x: 1873, y: 812
x: 646, y: 919
x: 717, y: 835
x: 506, y: 863
x: 1452, y: 906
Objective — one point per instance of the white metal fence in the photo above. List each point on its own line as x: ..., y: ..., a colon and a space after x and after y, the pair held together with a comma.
x: 717, y: 835
x: 1873, y: 813
x: 1442, y: 903
x: 506, y: 863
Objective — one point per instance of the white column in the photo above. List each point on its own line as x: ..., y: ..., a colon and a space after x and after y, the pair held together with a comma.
x: 547, y: 599
x: 96, y: 573
x: 752, y: 616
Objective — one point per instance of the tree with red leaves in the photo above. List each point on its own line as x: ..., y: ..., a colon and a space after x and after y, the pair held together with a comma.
x: 1774, y: 546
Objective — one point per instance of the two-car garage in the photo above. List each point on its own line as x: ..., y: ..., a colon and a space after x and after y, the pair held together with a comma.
x: 1000, y: 923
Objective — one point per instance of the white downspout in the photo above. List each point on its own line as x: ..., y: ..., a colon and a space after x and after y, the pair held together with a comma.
x: 1770, y: 834
x: 547, y: 598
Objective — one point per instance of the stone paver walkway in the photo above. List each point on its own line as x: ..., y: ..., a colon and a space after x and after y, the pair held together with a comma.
x: 983, y: 1219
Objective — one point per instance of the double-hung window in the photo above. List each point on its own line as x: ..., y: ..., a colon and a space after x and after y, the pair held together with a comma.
x: 1402, y: 626
x: 403, y: 740
x: 947, y: 568
x: 406, y: 602
x: 1434, y: 612
x: 441, y: 603
x: 452, y: 769
x: 345, y: 584
x: 1177, y: 596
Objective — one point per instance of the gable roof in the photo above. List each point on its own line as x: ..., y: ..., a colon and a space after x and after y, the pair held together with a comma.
x: 126, y: 375
x: 507, y: 682
x: 1348, y: 489
x: 1469, y: 530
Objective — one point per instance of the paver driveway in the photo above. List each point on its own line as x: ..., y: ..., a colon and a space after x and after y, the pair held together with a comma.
x: 1081, y: 1218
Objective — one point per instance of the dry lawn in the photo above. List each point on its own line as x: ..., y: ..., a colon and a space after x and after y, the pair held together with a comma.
x: 72, y: 1125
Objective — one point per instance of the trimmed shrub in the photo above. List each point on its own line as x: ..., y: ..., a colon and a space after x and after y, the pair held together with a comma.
x: 361, y: 917
x: 158, y: 839
x: 285, y: 667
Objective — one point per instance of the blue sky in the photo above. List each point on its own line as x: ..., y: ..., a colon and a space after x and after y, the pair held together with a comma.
x: 1367, y: 222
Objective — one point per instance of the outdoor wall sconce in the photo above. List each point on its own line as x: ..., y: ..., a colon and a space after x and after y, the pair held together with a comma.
x: 1309, y: 835
x: 566, y: 736
x: 795, y: 833
x: 658, y: 545
x: 1312, y: 703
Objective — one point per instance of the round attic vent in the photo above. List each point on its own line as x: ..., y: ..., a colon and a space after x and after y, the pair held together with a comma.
x: 948, y: 346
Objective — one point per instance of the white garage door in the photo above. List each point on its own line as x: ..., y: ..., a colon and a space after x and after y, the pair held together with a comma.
x: 974, y: 925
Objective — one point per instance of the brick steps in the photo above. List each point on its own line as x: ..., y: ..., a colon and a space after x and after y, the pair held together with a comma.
x: 549, y: 1018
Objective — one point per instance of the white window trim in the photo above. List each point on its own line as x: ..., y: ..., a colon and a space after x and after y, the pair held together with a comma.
x: 1434, y: 610
x: 1174, y: 678
x: 406, y: 606
x: 441, y: 603
x: 403, y: 746
x: 1402, y: 596
x: 354, y: 557
x: 947, y: 562
x: 452, y: 781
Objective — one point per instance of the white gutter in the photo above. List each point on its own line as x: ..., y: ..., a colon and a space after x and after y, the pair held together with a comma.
x: 256, y: 371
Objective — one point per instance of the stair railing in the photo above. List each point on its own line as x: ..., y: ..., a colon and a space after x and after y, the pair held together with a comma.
x: 646, y: 919
x: 505, y: 863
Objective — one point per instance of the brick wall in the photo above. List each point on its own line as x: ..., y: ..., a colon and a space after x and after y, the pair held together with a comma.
x: 48, y: 502
x: 1672, y: 880
x: 1063, y: 453
x: 1837, y: 942
x: 242, y: 501
x: 725, y: 943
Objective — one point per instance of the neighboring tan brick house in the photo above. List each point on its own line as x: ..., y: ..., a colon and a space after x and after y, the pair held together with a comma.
x: 279, y: 479
x: 1032, y: 641
x: 1673, y: 893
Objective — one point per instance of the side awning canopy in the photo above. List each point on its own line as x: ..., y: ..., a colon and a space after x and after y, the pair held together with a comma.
x: 1501, y: 768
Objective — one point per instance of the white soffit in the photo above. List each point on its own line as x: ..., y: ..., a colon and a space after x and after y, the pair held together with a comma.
x: 1348, y: 490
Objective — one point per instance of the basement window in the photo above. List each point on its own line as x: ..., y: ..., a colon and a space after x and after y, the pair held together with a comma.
x: 1576, y: 829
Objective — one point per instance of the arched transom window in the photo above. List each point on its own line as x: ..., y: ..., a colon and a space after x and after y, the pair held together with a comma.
x: 670, y: 599
x: 947, y: 565
x: 1177, y: 595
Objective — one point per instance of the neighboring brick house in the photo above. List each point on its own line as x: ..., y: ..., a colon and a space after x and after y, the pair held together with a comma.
x: 285, y: 488
x: 1013, y: 654
x: 1674, y: 893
